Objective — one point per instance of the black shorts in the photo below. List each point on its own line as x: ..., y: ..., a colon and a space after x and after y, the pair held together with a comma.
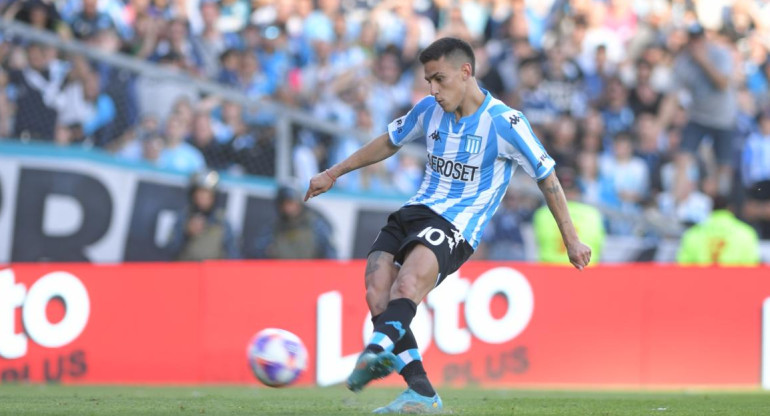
x: 415, y: 224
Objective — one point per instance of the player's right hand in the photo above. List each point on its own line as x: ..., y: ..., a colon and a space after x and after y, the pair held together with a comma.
x: 319, y: 184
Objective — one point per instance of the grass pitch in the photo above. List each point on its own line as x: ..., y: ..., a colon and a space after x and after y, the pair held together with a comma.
x: 43, y: 400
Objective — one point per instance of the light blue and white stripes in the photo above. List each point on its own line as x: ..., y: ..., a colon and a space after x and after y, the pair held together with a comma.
x: 407, y: 357
x: 378, y: 338
x: 755, y: 163
x: 470, y: 160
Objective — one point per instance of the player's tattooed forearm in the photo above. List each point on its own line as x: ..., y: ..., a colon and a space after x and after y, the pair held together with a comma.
x: 372, y: 264
x: 554, y: 188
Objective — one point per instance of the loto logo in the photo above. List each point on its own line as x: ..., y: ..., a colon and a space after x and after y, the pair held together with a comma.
x: 442, y: 327
x: 33, y: 303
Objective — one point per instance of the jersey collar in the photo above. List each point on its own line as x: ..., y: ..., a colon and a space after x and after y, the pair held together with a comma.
x: 482, y: 107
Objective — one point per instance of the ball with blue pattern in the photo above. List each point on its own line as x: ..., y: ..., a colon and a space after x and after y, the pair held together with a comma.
x: 277, y: 357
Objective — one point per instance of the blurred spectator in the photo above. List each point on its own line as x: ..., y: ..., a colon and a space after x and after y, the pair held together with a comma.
x: 229, y: 63
x: 41, y: 14
x: 592, y: 132
x: 228, y: 122
x: 685, y: 202
x: 81, y: 103
x: 234, y: 15
x: 755, y: 169
x: 306, y: 155
x: 90, y: 20
x: 616, y: 112
x: 533, y: 100
x: 377, y: 180
x: 152, y: 148
x: 597, y: 75
x: 503, y: 238
x: 117, y: 83
x: 722, y: 239
x: 598, y: 34
x: 453, y: 23
x: 297, y: 233
x: 252, y: 79
x: 390, y: 91
x: 587, y: 219
x: 6, y: 106
x: 130, y: 146
x: 35, y: 89
x: 274, y: 55
x: 211, y: 43
x: 217, y: 155
x: 177, y: 154
x: 347, y: 145
x: 563, y: 82
x: 254, y: 151
x: 643, y: 97
x: 562, y: 145
x: 488, y: 74
x: 177, y: 43
x: 595, y: 189
x: 648, y: 149
x: 408, y: 175
x: 630, y: 180
x: 202, y: 231
x: 402, y: 27
x: 704, y: 69
x: 157, y: 96
x: 146, y: 33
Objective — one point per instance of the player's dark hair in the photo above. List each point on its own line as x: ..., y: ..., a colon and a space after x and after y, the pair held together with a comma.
x: 449, y: 47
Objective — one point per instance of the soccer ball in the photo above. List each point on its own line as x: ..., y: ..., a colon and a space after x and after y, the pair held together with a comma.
x: 276, y: 356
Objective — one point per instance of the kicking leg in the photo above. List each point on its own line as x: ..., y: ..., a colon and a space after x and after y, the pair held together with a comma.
x: 381, y: 272
x: 414, y: 280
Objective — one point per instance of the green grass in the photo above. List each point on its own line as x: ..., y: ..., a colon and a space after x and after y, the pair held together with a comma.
x: 43, y: 400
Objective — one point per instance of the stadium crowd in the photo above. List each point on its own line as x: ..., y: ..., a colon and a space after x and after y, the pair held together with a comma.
x: 620, y: 92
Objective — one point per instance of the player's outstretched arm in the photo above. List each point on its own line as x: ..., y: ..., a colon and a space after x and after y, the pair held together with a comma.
x: 579, y: 253
x: 376, y: 150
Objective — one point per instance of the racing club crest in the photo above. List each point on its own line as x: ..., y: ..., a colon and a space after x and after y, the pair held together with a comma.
x: 472, y: 143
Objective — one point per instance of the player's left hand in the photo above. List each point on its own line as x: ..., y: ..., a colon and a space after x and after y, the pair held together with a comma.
x: 319, y: 184
x: 579, y: 254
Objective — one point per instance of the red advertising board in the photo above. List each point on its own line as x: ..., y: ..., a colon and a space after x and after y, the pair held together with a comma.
x: 492, y: 323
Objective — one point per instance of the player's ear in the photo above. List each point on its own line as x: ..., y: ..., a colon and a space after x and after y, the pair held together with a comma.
x: 466, y: 70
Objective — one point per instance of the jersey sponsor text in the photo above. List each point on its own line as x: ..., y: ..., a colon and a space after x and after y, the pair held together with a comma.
x: 452, y: 169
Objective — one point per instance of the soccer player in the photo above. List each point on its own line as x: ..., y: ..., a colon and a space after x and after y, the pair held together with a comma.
x: 474, y: 143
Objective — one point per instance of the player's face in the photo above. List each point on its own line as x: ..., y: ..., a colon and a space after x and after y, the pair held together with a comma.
x: 447, y: 82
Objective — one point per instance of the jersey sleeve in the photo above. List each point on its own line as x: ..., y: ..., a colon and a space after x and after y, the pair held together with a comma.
x: 410, y: 127
x: 516, y: 141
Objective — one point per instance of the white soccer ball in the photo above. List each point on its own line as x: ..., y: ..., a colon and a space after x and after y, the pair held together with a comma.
x: 276, y: 356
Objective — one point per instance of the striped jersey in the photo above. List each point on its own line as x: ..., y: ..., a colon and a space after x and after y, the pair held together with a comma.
x: 470, y: 161
x: 755, y: 164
